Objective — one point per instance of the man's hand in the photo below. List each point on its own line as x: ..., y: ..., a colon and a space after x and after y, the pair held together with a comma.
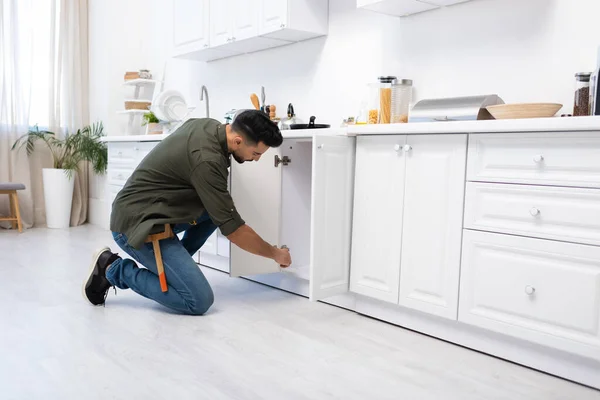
x: 246, y: 239
x: 283, y: 258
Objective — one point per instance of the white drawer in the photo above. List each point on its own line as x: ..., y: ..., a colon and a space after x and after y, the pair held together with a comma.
x: 122, y: 153
x: 566, y: 214
x: 118, y: 176
x: 560, y: 159
x: 142, y: 149
x: 538, y: 290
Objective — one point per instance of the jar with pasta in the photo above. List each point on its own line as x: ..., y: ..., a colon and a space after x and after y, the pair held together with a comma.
x: 385, y: 98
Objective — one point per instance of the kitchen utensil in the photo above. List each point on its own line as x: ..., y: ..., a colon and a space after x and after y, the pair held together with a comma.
x: 254, y: 100
x: 291, y: 119
x: 272, y: 111
x: 262, y: 98
x: 524, y: 110
x: 310, y: 125
x: 170, y: 106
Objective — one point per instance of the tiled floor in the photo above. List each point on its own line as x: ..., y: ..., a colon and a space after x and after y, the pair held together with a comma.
x: 255, y: 343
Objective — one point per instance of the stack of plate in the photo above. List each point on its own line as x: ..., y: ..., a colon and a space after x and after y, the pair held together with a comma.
x: 170, y: 106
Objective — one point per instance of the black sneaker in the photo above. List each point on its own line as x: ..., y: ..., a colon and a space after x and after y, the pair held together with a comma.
x: 95, y: 288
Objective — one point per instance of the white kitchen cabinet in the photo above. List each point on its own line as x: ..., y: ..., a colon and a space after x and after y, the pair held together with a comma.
x: 403, y: 8
x: 245, y: 26
x: 222, y: 15
x: 191, y: 23
x: 407, y: 227
x: 293, y: 20
x: 377, y: 217
x: 299, y: 196
x: 538, y: 290
x: 558, y: 159
x: 558, y: 213
x: 432, y: 227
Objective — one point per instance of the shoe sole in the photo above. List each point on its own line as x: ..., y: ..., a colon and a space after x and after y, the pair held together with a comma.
x: 91, y: 272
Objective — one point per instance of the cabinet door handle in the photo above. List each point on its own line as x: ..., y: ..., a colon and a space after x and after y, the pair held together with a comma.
x: 397, y: 147
x: 205, y: 45
x: 321, y: 146
x: 136, y: 148
x: 282, y: 26
x: 534, y: 211
x: 538, y: 159
x: 232, y: 39
x: 120, y: 153
x: 407, y: 148
x: 529, y: 290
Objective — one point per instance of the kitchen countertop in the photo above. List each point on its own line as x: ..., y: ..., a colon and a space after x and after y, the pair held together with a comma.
x: 287, y: 134
x: 559, y: 124
x: 555, y: 124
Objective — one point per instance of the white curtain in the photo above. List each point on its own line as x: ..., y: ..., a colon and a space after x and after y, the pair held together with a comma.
x: 43, y: 81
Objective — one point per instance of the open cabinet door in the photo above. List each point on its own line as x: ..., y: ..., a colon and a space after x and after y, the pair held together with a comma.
x: 331, y: 217
x: 256, y: 192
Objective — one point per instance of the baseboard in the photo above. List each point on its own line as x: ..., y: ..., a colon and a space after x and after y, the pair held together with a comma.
x: 98, y: 213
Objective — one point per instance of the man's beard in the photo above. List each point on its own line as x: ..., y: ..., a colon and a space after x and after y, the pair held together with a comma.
x: 238, y: 158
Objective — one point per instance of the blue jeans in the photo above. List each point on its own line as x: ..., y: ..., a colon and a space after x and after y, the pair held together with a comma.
x: 189, y: 291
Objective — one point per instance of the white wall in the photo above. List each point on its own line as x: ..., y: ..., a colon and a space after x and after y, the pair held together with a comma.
x: 523, y: 50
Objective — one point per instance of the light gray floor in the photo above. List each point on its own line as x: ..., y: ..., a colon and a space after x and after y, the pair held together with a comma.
x: 255, y: 343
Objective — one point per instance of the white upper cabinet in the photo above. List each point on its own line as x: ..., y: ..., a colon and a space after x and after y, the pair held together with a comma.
x: 221, y: 25
x: 331, y: 216
x: 191, y: 23
x: 207, y: 30
x: 293, y: 20
x: 403, y: 8
x: 245, y: 19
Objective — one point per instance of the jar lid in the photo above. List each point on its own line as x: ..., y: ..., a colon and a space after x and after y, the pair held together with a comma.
x: 407, y: 82
x: 583, y: 76
x: 387, y: 79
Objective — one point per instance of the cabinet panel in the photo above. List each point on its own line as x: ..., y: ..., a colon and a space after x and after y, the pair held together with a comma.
x: 539, y: 290
x: 210, y: 246
x: 273, y: 15
x: 191, y: 22
x: 377, y: 216
x: 221, y: 26
x: 245, y: 20
x: 433, y: 210
x: 565, y: 214
x: 331, y: 219
x: 561, y: 159
x: 256, y: 192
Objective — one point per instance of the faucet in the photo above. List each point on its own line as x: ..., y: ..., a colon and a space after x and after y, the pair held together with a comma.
x: 202, y: 91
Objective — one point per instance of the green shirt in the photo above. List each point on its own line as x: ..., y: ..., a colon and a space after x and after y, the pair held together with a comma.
x: 181, y: 178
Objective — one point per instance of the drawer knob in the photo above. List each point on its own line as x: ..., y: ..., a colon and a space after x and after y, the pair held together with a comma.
x: 538, y: 159
x: 136, y: 148
x: 534, y: 212
x: 321, y: 146
x: 529, y: 290
x: 407, y: 148
x: 397, y: 147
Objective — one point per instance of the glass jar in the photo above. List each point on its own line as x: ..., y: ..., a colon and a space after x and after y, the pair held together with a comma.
x: 401, y: 98
x: 385, y: 98
x: 582, y: 94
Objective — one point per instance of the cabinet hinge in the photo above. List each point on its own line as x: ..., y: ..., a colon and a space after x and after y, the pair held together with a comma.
x: 285, y: 160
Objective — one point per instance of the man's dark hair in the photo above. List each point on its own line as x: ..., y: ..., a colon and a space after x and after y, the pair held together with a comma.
x: 256, y: 127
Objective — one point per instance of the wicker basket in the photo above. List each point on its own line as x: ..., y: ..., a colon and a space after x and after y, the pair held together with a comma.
x: 137, y: 105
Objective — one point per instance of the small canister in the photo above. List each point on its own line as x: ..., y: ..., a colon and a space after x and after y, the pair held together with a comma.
x: 582, y: 94
x: 401, y: 98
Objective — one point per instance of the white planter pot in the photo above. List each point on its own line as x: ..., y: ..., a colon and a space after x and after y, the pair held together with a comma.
x: 58, y: 197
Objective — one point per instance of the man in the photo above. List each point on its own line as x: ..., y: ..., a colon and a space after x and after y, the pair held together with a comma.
x: 183, y: 182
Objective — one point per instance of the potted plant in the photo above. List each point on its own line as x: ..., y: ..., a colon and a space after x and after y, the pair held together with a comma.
x: 152, y: 123
x: 67, y: 154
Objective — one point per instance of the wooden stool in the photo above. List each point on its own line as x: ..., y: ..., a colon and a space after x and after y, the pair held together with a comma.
x: 168, y: 233
x: 15, y: 215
